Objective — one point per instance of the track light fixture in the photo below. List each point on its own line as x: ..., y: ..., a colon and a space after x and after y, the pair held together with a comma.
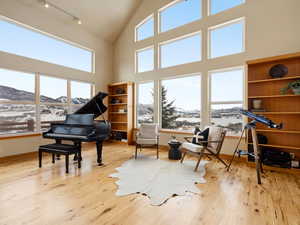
x: 49, y: 4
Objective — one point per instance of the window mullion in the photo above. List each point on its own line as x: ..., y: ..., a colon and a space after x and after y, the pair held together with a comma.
x: 69, y: 97
x: 37, y: 102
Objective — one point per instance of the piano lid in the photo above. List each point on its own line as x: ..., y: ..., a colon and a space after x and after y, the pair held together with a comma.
x: 94, y: 106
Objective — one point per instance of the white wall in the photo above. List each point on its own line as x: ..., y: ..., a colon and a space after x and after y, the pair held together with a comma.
x: 272, y: 28
x: 70, y: 31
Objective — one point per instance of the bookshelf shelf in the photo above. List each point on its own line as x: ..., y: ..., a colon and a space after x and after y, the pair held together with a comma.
x: 273, y: 96
x: 278, y: 146
x: 280, y: 131
x: 278, y: 113
x: 273, y: 80
x: 117, y: 95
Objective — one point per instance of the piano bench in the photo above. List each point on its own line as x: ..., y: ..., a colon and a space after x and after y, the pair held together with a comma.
x: 60, y: 149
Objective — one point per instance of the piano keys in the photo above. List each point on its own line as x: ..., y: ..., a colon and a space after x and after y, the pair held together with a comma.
x: 81, y: 126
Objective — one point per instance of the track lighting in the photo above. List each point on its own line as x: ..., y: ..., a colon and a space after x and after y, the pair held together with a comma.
x: 77, y: 20
x: 49, y: 4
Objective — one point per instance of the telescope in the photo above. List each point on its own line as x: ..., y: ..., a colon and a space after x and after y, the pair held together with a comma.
x: 261, y: 119
x: 256, y: 150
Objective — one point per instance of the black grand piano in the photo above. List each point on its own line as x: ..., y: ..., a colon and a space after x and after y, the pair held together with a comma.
x: 81, y: 127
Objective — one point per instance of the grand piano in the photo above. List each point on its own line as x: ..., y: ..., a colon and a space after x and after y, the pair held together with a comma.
x: 81, y: 126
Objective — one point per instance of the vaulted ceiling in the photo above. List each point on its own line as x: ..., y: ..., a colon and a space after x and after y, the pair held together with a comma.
x: 105, y: 18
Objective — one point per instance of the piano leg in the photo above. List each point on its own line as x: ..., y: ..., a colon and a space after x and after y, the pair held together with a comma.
x: 77, y: 156
x: 57, y: 142
x: 99, y: 153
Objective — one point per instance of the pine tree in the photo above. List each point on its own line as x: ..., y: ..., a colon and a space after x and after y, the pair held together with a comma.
x: 168, y: 111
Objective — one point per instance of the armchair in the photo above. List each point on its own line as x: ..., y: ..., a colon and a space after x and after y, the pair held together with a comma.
x: 147, y: 136
x: 211, y: 147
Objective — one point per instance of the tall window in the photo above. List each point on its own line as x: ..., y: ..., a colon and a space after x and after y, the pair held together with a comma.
x: 54, y: 100
x: 145, y: 103
x: 145, y: 29
x: 17, y: 102
x: 179, y: 13
x: 226, y: 39
x: 145, y: 60
x: 17, y: 39
x: 181, y: 51
x: 216, y: 6
x: 181, y: 103
x: 227, y: 88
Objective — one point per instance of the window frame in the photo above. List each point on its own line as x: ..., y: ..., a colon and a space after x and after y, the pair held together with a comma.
x: 182, y: 37
x: 211, y: 103
x: 221, y: 25
x: 136, y: 60
x: 212, y: 14
x: 77, y: 45
x: 142, y: 23
x: 200, y: 75
x: 37, y: 103
x: 172, y: 3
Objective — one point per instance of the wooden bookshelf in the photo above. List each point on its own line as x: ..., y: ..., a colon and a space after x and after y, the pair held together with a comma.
x: 120, y: 109
x: 279, y: 107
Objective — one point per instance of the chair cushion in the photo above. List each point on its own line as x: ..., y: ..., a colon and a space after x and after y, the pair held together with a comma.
x: 200, y: 135
x: 192, y: 147
x: 148, y: 130
x: 214, y: 135
x: 144, y: 141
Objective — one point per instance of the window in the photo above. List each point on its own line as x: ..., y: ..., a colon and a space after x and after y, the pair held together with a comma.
x: 53, y: 96
x: 17, y: 99
x: 179, y: 13
x: 145, y: 60
x: 216, y: 6
x: 227, y: 88
x: 227, y: 39
x: 53, y: 90
x: 181, y: 51
x: 20, y: 110
x: 180, y: 103
x: 145, y: 29
x: 80, y: 94
x: 20, y: 40
x: 145, y: 103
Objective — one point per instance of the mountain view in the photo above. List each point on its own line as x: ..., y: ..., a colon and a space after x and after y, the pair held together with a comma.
x: 19, y: 118
x: 12, y: 94
x: 186, y: 120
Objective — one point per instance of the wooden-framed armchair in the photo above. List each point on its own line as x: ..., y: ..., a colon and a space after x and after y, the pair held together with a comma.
x: 211, y: 147
x: 148, y: 135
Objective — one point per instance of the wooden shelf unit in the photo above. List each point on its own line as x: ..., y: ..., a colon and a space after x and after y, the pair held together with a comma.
x: 279, y: 108
x: 121, y: 121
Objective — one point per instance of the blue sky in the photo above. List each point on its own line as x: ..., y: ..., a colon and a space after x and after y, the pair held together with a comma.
x: 49, y: 86
x: 21, y: 41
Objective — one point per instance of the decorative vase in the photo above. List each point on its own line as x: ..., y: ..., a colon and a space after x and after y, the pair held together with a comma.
x: 278, y: 71
x: 296, y: 90
x: 256, y: 104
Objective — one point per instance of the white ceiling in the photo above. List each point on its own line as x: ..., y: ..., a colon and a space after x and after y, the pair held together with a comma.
x: 104, y: 18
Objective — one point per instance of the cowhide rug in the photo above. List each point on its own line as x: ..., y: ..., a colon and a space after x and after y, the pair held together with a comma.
x: 158, y: 179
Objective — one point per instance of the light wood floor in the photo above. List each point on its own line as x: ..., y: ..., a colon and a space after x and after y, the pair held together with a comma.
x: 29, y: 195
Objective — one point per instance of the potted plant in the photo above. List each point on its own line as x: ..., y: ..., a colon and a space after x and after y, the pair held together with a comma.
x: 295, y: 86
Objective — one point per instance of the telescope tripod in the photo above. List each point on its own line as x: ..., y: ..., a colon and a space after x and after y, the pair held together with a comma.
x: 256, y: 151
